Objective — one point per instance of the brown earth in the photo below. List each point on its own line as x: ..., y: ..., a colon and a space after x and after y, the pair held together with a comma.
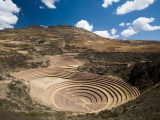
x: 59, y: 87
x: 69, y: 39
x: 48, y: 71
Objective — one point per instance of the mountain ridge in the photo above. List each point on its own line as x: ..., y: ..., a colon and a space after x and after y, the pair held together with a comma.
x: 76, y: 39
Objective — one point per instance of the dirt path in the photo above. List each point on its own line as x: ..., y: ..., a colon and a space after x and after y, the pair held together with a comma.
x: 2, y: 89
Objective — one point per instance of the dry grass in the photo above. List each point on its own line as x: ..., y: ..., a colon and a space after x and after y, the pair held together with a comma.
x: 38, y: 42
x: 77, y: 37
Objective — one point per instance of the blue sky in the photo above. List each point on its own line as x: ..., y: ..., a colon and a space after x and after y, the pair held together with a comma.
x: 98, y: 16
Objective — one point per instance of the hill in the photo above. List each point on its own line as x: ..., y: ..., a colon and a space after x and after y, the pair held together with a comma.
x: 64, y: 72
x: 65, y: 38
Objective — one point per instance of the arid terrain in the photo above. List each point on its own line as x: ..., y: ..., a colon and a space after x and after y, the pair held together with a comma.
x: 67, y: 73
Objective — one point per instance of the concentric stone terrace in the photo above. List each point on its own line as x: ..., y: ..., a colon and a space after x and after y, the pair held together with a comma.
x: 77, y: 91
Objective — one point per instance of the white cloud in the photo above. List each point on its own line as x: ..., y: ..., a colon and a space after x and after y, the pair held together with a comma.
x: 105, y: 33
x: 114, y: 36
x: 108, y: 2
x: 85, y: 25
x: 122, y: 24
x: 7, y: 14
x: 44, y: 26
x: 138, y: 25
x: 50, y: 3
x: 128, y: 32
x: 130, y: 6
x: 128, y: 24
x: 41, y: 7
x: 113, y: 31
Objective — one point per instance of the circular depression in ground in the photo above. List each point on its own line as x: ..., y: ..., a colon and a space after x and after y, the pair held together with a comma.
x: 77, y: 91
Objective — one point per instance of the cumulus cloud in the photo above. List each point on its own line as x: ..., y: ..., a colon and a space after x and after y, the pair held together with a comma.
x: 85, y: 25
x: 105, y: 33
x: 50, y: 3
x: 122, y: 24
x: 138, y: 25
x: 128, y: 32
x: 108, y: 2
x: 130, y: 6
x: 7, y: 14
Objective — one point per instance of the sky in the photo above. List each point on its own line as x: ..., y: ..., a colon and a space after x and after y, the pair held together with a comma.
x: 119, y: 19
